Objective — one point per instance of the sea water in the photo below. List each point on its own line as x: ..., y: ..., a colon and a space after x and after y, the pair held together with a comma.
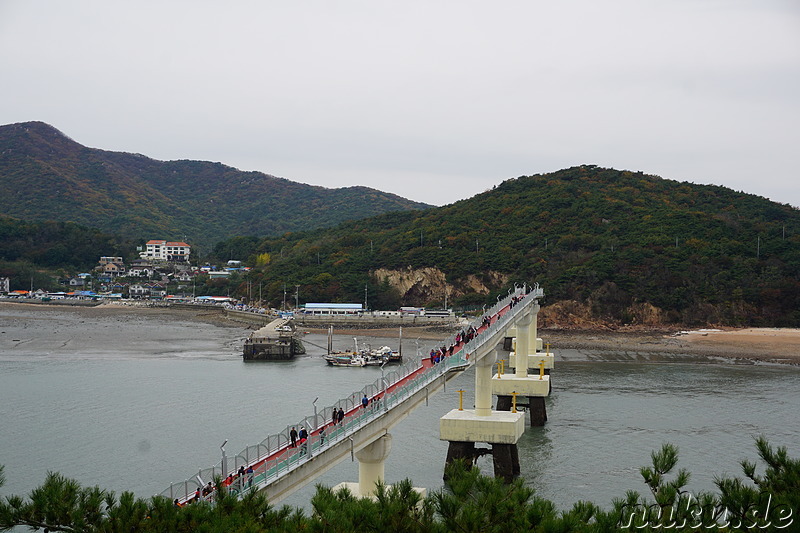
x: 131, y: 402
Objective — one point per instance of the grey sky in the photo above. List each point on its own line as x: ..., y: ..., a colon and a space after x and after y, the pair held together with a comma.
x: 432, y: 100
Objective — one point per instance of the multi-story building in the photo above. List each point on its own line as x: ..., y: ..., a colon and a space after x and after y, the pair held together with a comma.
x: 166, y: 251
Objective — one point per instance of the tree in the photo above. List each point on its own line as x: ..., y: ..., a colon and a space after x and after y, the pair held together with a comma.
x: 469, y: 502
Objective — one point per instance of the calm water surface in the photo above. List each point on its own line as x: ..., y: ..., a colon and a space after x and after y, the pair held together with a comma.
x: 134, y: 403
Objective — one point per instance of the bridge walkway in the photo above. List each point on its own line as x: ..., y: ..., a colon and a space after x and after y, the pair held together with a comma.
x: 273, y: 459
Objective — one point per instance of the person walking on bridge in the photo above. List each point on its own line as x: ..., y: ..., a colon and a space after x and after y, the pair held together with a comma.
x: 303, y: 438
x: 340, y: 415
x: 364, y: 401
x: 293, y: 437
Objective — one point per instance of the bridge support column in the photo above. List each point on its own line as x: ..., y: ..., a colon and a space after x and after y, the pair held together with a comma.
x: 371, y: 461
x: 523, y: 333
x: 506, y: 461
x: 483, y: 384
x: 534, y: 342
x: 534, y: 353
x: 465, y: 427
x: 520, y: 383
x: 538, y: 410
x: 536, y: 407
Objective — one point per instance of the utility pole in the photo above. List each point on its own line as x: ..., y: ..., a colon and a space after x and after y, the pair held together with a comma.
x: 365, y: 298
x: 284, y: 297
x: 296, y: 297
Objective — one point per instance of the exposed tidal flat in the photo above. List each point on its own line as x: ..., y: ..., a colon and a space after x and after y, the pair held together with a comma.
x: 136, y: 398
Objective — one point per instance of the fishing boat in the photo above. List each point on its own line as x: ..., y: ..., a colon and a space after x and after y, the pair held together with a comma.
x: 360, y: 357
x: 387, y: 354
x: 356, y: 360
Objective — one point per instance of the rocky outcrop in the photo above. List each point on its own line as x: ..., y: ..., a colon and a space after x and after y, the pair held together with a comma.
x: 571, y: 314
x: 422, y: 285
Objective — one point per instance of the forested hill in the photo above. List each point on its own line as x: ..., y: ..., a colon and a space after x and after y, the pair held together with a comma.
x: 612, y: 245
x: 47, y: 176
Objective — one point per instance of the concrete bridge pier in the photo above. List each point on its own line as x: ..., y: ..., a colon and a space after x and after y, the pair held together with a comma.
x: 371, y: 467
x: 463, y: 428
x: 371, y: 461
x: 534, y: 404
x: 535, y: 347
x: 520, y: 383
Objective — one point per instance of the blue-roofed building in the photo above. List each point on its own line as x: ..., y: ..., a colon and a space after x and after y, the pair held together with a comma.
x: 332, y: 309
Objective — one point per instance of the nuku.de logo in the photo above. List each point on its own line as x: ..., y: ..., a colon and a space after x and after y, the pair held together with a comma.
x: 688, y: 512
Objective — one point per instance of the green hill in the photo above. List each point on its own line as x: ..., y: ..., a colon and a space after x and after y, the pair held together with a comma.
x: 619, y: 246
x: 47, y: 176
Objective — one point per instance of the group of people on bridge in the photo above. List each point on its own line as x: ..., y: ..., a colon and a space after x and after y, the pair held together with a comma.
x: 462, y: 338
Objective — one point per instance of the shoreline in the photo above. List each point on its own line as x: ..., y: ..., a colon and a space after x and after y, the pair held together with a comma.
x: 768, y: 345
x: 771, y: 345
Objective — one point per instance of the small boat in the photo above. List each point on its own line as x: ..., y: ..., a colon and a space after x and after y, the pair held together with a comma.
x: 360, y: 357
x: 346, y: 360
x: 363, y: 358
x: 386, y: 354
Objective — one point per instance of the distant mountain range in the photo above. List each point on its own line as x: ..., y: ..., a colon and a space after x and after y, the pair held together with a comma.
x: 45, y: 175
x: 609, y: 247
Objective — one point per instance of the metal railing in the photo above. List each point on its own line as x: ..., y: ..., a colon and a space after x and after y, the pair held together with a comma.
x: 274, y: 457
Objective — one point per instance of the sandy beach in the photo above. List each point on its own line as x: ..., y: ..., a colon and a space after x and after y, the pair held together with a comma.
x: 776, y: 345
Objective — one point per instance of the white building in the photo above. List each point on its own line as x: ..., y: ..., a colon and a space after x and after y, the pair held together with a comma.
x: 332, y: 309
x: 166, y: 251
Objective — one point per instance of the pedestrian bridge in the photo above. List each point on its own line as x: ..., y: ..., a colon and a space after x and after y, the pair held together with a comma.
x: 278, y: 469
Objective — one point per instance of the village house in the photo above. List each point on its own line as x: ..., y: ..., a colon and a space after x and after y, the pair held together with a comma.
x: 185, y: 276
x: 147, y: 290
x: 108, y: 259
x: 113, y: 269
x: 118, y: 287
x: 140, y: 271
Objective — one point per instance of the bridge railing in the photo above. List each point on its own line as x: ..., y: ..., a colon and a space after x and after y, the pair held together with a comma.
x: 287, y: 458
x: 274, y: 457
x: 502, y: 324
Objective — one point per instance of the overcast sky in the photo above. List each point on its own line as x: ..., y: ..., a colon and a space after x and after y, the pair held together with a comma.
x: 433, y: 100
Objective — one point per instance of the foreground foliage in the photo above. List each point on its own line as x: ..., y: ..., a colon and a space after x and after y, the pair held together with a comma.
x: 470, y: 502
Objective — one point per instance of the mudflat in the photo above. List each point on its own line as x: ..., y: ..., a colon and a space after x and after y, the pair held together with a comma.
x: 777, y: 345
